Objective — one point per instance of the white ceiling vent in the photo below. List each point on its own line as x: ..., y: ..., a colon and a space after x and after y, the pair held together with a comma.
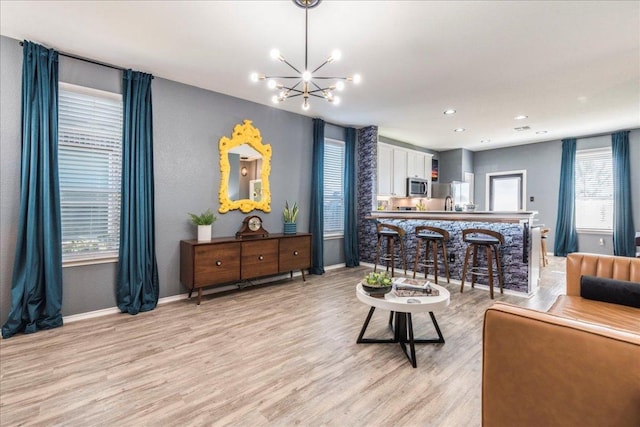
x: 521, y: 128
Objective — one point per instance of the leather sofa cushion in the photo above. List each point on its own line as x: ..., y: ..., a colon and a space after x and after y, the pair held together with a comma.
x: 610, y: 290
x: 601, y: 313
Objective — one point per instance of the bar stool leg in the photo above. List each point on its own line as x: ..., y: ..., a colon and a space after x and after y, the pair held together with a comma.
x: 464, y: 268
x: 434, y: 245
x: 446, y: 260
x: 490, y: 269
x: 404, y: 255
x: 475, y: 266
x: 415, y: 265
x: 375, y: 267
x: 392, y: 255
x: 499, y: 268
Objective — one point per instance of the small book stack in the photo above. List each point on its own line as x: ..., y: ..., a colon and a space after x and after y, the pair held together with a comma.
x: 405, y: 287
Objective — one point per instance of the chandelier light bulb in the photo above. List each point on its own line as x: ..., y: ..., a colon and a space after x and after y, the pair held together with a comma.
x: 275, y: 54
x: 275, y: 99
x: 305, y: 105
x: 253, y: 77
x: 306, y: 76
x: 335, y: 56
x: 357, y: 78
x: 340, y: 85
x: 335, y: 100
x: 271, y: 84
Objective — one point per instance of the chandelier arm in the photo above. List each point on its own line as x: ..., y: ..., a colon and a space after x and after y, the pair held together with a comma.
x: 330, y: 78
x: 321, y: 65
x: 293, y: 96
x: 294, y: 68
x: 282, y: 77
x: 314, y: 95
x: 306, y: 34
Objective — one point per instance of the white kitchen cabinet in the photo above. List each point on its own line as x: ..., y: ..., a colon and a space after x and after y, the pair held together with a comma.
x: 396, y: 164
x: 385, y: 170
x: 400, y: 158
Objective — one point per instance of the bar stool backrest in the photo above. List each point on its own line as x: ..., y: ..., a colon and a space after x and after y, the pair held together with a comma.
x: 443, y: 232
x: 381, y: 226
x: 491, y: 233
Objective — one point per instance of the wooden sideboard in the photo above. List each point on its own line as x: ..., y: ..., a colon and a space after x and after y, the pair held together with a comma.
x: 225, y: 260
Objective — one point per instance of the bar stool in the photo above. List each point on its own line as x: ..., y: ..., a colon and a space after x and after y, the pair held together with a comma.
x: 431, y: 236
x: 543, y: 246
x: 490, y: 240
x: 390, y: 233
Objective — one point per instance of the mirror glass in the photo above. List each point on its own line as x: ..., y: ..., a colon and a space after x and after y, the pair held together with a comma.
x: 245, y: 174
x: 245, y: 164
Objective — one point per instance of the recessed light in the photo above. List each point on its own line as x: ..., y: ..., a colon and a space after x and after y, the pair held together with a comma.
x: 449, y: 112
x: 484, y: 141
x: 541, y: 132
x: 459, y: 130
x: 521, y: 117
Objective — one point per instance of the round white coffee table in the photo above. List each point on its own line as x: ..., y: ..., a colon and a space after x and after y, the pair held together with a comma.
x: 404, y: 307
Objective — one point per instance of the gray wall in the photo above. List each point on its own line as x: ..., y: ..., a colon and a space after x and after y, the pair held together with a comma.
x: 188, y: 123
x: 542, y: 163
x: 454, y: 164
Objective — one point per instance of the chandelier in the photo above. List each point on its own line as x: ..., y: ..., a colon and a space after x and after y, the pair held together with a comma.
x: 306, y: 83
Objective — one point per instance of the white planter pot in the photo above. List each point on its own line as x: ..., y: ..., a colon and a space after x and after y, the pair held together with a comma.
x: 204, y: 233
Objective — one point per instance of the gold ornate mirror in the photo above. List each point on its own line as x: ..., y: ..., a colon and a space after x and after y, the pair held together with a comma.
x: 245, y: 165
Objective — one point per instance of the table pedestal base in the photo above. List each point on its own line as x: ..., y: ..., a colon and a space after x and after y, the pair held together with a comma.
x: 402, y: 334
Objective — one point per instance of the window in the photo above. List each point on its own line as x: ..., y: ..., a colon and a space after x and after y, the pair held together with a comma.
x: 506, y: 191
x: 90, y: 169
x: 333, y: 187
x: 594, y: 189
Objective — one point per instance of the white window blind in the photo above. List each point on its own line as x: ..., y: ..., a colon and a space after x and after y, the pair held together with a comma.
x: 594, y: 189
x: 90, y: 169
x: 333, y: 187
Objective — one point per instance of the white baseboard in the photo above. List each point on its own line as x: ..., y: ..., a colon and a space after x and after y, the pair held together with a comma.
x: 165, y: 300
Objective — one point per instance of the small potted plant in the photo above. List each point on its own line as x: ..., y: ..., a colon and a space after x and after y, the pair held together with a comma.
x: 204, y: 221
x: 377, y: 284
x: 290, y: 214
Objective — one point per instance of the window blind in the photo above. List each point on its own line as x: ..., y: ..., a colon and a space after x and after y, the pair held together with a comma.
x: 594, y: 189
x: 333, y: 187
x: 90, y: 170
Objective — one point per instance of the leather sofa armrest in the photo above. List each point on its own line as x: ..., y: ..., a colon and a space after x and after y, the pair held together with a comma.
x: 541, y: 369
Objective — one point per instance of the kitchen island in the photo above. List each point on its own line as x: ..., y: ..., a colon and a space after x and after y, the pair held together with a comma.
x: 520, y: 255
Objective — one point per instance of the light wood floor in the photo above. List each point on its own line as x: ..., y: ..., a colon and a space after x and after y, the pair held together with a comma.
x: 277, y: 355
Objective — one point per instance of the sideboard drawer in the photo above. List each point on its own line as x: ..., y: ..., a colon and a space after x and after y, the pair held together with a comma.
x: 216, y: 264
x: 295, y: 253
x: 259, y: 258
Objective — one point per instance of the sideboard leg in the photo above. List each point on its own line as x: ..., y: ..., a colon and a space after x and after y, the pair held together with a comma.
x: 190, y: 292
x: 199, y: 295
x: 304, y: 279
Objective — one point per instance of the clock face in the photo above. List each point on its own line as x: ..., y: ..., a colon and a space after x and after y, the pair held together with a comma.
x: 255, y: 223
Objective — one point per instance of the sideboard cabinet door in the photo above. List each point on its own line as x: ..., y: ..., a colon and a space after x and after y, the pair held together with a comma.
x: 259, y: 258
x: 216, y: 264
x: 295, y: 253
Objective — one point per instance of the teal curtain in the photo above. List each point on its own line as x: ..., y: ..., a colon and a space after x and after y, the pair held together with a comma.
x: 137, y: 280
x: 351, y: 251
x: 36, y: 289
x: 566, y: 239
x: 623, y: 229
x: 316, y: 222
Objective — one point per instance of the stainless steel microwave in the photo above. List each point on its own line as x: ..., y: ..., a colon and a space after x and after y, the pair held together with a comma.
x: 417, y: 187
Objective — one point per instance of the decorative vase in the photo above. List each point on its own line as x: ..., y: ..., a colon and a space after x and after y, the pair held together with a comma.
x: 204, y: 233
x: 289, y: 228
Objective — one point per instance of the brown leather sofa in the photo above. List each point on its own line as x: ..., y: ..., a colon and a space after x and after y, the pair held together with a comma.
x: 578, y: 364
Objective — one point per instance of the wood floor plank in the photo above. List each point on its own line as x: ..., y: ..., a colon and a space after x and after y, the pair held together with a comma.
x: 284, y: 354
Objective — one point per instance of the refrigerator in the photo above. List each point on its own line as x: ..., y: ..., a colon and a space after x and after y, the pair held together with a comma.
x: 461, y: 192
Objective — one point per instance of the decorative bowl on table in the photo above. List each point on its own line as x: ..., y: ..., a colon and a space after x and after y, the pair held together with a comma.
x: 377, y: 284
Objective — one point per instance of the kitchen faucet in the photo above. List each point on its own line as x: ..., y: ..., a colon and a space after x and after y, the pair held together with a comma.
x: 448, y: 203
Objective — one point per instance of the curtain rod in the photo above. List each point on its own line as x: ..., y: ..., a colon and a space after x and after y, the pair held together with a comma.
x: 91, y: 61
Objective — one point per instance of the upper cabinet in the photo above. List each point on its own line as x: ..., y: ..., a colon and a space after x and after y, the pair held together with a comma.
x: 396, y: 164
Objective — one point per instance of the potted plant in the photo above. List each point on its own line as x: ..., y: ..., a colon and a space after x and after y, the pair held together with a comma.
x: 377, y: 284
x: 290, y: 214
x: 204, y: 221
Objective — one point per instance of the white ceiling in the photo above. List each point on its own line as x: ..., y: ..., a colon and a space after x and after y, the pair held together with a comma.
x: 573, y: 67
